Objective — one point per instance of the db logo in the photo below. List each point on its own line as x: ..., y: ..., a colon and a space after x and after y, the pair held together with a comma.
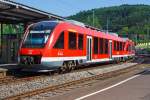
x: 60, y: 53
x: 30, y: 52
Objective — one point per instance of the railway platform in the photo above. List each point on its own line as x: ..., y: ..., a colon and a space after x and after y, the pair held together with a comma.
x: 5, y: 68
x: 12, y: 66
x: 3, y: 72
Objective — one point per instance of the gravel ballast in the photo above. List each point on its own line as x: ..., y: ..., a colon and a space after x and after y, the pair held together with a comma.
x: 21, y: 87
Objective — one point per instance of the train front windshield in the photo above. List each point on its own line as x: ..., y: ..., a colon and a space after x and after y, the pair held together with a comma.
x: 38, y: 34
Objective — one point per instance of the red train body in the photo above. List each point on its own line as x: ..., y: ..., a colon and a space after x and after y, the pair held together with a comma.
x: 61, y: 44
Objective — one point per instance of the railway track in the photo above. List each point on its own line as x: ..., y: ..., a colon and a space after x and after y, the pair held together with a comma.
x: 14, y: 80
x: 103, y: 65
x: 72, y: 83
x: 5, y: 80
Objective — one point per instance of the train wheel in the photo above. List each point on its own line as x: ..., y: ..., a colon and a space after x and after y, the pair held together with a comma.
x: 67, y: 67
x: 71, y: 66
x: 63, y: 68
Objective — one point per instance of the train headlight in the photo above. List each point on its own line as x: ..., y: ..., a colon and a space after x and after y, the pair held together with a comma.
x: 23, y: 59
x: 30, y: 59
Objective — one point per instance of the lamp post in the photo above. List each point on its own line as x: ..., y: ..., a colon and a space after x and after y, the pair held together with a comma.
x: 107, y: 25
x: 147, y: 36
x: 93, y: 17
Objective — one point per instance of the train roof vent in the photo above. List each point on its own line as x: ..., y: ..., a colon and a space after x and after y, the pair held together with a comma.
x: 114, y: 34
x: 93, y: 28
x: 125, y: 39
x: 76, y: 22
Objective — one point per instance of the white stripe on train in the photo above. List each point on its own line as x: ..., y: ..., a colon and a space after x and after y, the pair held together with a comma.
x: 62, y: 58
x: 122, y: 55
x: 50, y: 59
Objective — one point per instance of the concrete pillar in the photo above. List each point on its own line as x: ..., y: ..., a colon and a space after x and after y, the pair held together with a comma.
x: 1, y: 25
x: 1, y: 31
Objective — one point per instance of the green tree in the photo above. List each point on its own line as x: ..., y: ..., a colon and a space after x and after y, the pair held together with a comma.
x: 131, y: 19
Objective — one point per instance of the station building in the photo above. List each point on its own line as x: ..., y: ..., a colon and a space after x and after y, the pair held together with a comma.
x: 18, y: 16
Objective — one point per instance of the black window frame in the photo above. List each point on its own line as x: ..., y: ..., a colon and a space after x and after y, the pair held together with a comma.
x: 72, y: 44
x: 95, y: 45
x: 38, y: 31
x: 101, y: 47
x: 80, y: 41
x: 115, y: 45
x: 118, y: 45
x: 56, y: 46
x: 106, y: 46
x: 121, y: 46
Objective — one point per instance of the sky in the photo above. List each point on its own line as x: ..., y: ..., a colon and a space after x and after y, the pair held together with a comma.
x: 70, y: 7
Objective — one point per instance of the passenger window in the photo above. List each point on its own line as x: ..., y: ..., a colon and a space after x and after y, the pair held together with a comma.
x: 60, y: 42
x: 80, y: 42
x: 101, y: 46
x: 117, y: 46
x: 72, y: 40
x: 95, y: 45
x: 106, y: 46
x: 121, y: 46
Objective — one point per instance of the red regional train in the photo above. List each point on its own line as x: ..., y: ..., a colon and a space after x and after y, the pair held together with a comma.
x: 64, y: 45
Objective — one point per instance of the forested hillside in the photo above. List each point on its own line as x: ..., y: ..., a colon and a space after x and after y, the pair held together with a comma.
x: 124, y: 19
x: 131, y: 20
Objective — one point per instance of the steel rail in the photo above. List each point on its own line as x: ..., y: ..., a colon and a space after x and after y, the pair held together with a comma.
x: 72, y: 83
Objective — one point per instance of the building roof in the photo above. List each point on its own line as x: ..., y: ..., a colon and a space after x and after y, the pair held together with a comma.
x: 12, y: 12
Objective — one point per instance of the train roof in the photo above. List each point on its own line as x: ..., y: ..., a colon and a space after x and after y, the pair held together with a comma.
x: 80, y: 27
x: 94, y: 31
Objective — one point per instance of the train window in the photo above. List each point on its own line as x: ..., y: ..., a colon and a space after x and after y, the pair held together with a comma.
x: 120, y: 46
x: 38, y: 34
x: 43, y: 26
x: 95, y: 45
x: 72, y: 40
x: 106, y: 46
x: 117, y: 46
x: 123, y: 46
x: 101, y: 46
x: 80, y: 42
x: 114, y: 45
x: 60, y: 42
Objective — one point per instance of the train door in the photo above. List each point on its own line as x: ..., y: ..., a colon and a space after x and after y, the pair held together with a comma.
x: 89, y: 48
x: 110, y: 49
